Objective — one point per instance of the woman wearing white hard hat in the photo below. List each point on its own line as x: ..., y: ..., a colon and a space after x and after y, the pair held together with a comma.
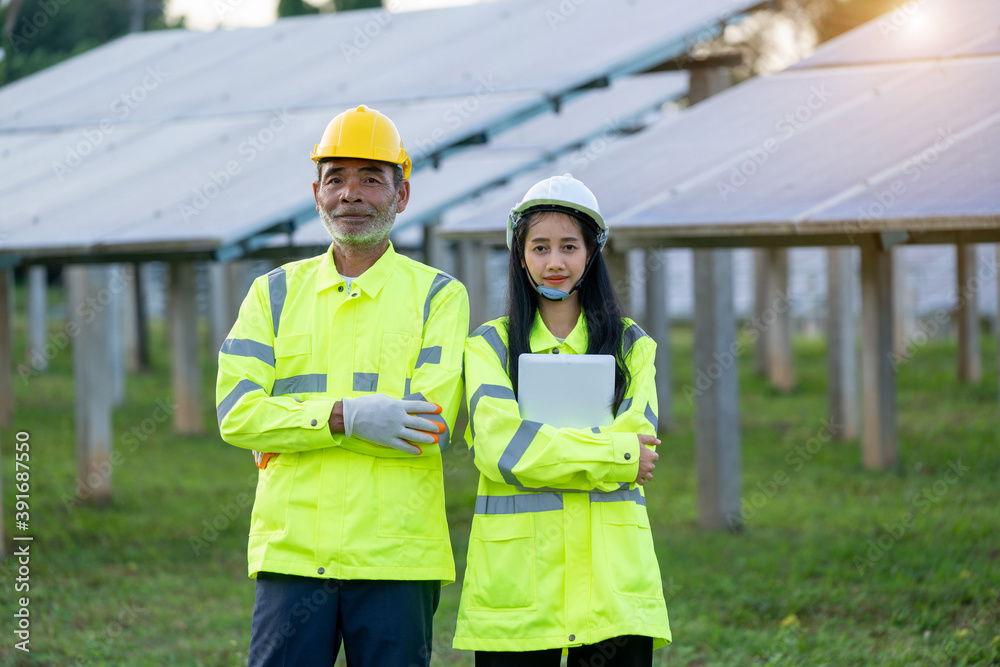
x: 560, y: 556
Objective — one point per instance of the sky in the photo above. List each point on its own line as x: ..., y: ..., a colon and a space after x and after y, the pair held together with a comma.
x: 209, y: 14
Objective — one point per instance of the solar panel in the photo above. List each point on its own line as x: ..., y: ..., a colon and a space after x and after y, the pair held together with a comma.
x: 919, y: 30
x: 129, y: 135
x: 805, y: 151
x: 876, y: 118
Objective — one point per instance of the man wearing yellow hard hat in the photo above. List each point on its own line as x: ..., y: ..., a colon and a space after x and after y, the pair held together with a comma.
x: 343, y: 374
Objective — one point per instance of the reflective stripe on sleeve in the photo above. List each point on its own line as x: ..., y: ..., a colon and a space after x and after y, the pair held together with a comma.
x: 242, y: 388
x: 299, y: 384
x: 535, y: 502
x: 650, y: 415
x: 619, y: 496
x: 440, y: 280
x: 429, y: 355
x: 516, y: 448
x: 632, y: 334
x: 493, y: 338
x: 365, y: 381
x: 277, y: 288
x: 244, y: 347
x: 491, y: 390
x: 625, y: 405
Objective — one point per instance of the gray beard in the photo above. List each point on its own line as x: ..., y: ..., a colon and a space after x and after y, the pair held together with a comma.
x: 363, y: 238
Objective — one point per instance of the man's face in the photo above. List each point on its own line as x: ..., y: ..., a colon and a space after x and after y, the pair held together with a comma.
x: 357, y: 201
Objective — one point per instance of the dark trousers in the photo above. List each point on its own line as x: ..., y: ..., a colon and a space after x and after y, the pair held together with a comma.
x: 303, y: 621
x: 628, y: 651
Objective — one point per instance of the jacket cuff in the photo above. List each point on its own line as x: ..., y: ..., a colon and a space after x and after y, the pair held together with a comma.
x: 625, y: 466
x: 315, y: 419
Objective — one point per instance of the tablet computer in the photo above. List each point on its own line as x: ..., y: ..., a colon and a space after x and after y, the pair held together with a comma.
x: 566, y: 390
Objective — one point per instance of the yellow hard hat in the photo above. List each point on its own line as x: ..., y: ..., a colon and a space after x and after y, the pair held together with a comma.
x: 363, y: 133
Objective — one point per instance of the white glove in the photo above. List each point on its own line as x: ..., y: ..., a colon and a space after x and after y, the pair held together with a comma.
x: 391, y: 421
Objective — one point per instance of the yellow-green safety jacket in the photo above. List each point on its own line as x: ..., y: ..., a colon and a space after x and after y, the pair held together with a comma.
x: 560, y: 552
x: 330, y: 506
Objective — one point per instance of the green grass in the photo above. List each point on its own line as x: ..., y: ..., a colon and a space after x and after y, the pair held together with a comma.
x: 126, y: 585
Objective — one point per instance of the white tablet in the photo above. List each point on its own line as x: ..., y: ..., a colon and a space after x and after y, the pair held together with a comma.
x: 566, y: 390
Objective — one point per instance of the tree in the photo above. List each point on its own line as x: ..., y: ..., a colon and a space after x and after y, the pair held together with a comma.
x: 349, y: 5
x: 295, y: 8
x: 300, y: 7
x: 40, y: 33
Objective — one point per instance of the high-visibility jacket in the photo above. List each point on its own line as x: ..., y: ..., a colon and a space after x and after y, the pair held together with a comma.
x: 327, y: 505
x: 560, y: 552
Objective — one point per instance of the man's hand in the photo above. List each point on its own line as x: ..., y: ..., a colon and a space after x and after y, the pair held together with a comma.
x: 391, y: 421
x: 647, y: 458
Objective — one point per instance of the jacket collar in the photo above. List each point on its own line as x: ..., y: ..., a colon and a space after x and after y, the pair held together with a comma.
x: 542, y: 341
x: 370, y: 282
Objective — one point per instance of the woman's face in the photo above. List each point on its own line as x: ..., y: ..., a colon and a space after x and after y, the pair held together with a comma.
x: 554, y: 251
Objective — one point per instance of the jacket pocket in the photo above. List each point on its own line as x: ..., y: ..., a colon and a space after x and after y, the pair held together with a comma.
x: 501, y: 568
x: 628, y: 550
x: 411, y: 499
x: 292, y: 355
x: 274, y: 487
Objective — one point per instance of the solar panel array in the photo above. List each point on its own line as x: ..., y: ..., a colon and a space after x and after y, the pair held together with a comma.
x: 194, y: 142
x: 859, y: 138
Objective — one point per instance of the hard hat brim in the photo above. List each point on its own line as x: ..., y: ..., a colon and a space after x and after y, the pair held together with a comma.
x: 581, y: 212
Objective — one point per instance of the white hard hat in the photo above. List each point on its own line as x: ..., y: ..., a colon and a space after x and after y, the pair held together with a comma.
x: 559, y: 193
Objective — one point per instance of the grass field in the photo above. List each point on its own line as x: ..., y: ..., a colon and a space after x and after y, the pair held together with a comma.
x: 837, y: 566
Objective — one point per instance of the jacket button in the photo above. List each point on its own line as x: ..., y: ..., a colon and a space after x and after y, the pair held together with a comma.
x: 340, y: 289
x: 555, y: 351
x: 572, y: 638
x: 627, y: 456
x: 312, y: 422
x: 320, y: 570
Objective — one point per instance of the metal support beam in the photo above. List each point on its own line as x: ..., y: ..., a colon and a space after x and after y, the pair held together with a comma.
x: 220, y: 312
x: 658, y: 327
x: 878, y: 426
x: 777, y: 321
x: 707, y: 81
x: 717, y: 427
x: 617, y: 263
x: 905, y: 325
x: 437, y: 251
x: 238, y: 277
x: 970, y: 367
x: 185, y: 360
x: 136, y: 349
x: 472, y: 261
x: 117, y: 292
x: 842, y: 367
x: 91, y: 321
x: 760, y: 292
x: 37, y: 316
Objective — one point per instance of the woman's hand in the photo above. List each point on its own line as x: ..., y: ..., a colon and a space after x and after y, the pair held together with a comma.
x: 647, y: 458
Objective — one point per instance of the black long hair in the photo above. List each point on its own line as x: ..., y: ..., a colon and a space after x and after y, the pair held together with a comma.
x: 601, y: 308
